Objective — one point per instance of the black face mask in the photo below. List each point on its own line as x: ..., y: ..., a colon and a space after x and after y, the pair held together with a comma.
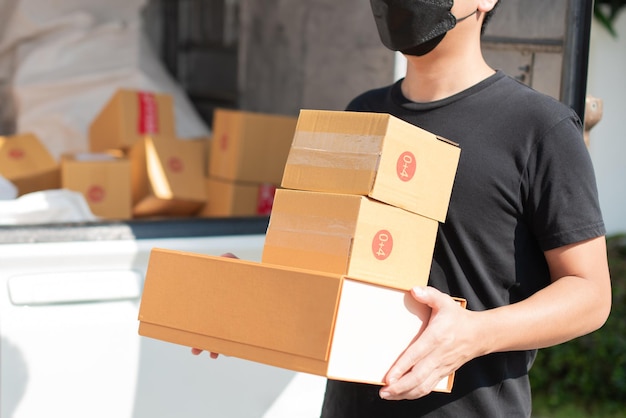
x: 413, y: 27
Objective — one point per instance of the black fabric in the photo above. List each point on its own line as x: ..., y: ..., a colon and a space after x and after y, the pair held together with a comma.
x: 404, y: 25
x: 425, y: 47
x: 525, y: 184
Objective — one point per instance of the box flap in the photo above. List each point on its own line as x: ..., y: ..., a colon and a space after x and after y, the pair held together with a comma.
x: 282, y: 309
x: 365, y: 124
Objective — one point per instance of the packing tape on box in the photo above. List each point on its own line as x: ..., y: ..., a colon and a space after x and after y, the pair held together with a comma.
x: 338, y: 142
x: 326, y: 244
x: 332, y: 159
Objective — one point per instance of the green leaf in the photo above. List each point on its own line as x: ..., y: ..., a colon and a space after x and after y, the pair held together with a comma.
x: 606, y: 11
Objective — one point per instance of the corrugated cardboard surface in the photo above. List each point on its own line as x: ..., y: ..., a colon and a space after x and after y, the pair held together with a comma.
x: 130, y: 115
x: 167, y: 176
x: 372, y: 154
x: 27, y: 163
x: 231, y: 198
x: 297, y: 319
x: 244, y: 309
x: 250, y: 146
x: 351, y: 235
x: 103, y: 180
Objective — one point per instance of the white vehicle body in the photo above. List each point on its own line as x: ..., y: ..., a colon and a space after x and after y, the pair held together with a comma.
x: 69, y: 340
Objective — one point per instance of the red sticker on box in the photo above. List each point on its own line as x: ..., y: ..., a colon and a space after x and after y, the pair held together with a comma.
x: 265, y: 199
x: 224, y: 142
x: 95, y: 194
x: 176, y: 165
x: 148, y: 114
x: 406, y: 166
x: 16, y: 153
x: 382, y: 244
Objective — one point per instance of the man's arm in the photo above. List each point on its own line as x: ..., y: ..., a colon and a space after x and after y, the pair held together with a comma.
x: 577, y: 302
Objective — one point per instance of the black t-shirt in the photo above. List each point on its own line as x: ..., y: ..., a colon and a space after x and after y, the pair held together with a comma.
x: 525, y: 184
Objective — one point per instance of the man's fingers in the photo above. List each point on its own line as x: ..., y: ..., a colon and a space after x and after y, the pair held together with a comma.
x: 429, y: 296
x: 198, y: 351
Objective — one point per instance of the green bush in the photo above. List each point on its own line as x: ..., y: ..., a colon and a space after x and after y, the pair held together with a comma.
x: 590, y: 370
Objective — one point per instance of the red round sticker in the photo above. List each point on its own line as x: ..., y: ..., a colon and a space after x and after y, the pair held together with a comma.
x: 175, y: 164
x: 16, y: 153
x: 95, y: 194
x: 382, y: 244
x: 406, y: 166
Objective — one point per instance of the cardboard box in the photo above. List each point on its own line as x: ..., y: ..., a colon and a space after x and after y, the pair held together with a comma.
x: 103, y: 179
x: 311, y: 322
x: 230, y: 198
x: 351, y: 235
x: 167, y: 176
x: 372, y: 154
x: 28, y: 164
x: 129, y: 116
x: 249, y: 146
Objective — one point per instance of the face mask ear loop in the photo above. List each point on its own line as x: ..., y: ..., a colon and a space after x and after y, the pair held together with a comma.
x: 469, y: 15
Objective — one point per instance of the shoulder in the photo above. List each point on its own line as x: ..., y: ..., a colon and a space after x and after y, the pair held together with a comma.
x: 524, y: 118
x: 529, y: 105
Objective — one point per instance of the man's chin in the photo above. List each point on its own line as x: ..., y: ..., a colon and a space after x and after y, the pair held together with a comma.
x: 425, y: 48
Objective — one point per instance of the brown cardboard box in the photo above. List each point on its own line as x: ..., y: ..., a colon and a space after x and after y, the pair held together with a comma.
x: 230, y: 198
x: 167, y: 176
x: 351, y: 235
x: 372, y: 154
x: 129, y: 116
x: 206, y: 152
x: 28, y: 164
x: 312, y: 322
x: 249, y: 146
x: 104, y: 181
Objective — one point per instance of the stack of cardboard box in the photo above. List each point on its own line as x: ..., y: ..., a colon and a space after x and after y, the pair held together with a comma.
x: 247, y: 155
x: 351, y: 231
x: 137, y: 166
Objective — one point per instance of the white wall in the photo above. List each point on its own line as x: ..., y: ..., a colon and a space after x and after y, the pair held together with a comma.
x: 607, y: 81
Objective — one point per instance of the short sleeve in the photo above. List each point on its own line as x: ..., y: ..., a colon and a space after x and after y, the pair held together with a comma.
x: 562, y: 203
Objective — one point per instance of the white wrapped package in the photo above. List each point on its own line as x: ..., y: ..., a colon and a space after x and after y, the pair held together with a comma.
x: 70, y: 57
x: 49, y: 206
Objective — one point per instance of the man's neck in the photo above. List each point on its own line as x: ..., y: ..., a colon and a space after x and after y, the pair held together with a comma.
x: 435, y: 77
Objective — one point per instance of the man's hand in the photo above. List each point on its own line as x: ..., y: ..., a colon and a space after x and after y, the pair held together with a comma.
x: 198, y: 351
x: 442, y: 348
